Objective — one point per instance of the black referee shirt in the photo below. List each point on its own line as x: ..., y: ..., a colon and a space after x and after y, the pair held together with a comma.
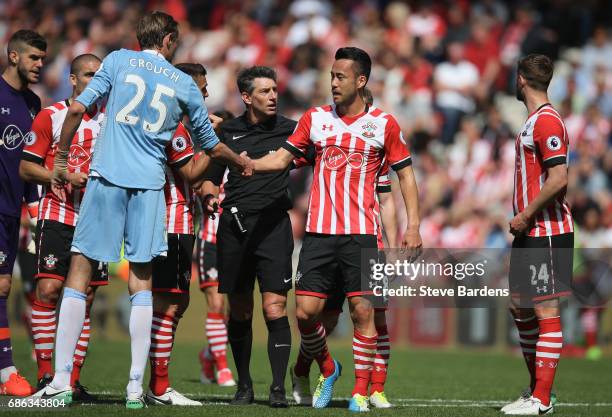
x: 262, y: 190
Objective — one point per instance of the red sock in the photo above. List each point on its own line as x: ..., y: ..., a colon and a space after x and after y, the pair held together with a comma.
x: 162, y: 339
x: 43, y: 331
x: 590, y: 324
x: 216, y: 332
x: 548, y: 350
x: 364, y: 351
x: 529, y: 330
x: 315, y: 345
x: 81, y: 350
x: 381, y: 360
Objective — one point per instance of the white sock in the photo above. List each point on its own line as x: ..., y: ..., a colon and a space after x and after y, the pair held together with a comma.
x: 141, y: 317
x: 69, y: 327
x: 6, y: 373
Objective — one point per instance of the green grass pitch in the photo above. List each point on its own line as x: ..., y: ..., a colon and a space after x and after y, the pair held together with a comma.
x: 421, y: 383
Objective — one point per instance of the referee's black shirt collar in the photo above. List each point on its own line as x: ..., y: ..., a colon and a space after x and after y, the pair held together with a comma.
x: 265, y: 125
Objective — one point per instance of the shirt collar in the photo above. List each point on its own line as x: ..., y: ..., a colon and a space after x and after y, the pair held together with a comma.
x: 154, y: 52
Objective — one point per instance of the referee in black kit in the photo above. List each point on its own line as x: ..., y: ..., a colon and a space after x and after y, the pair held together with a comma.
x: 255, y: 237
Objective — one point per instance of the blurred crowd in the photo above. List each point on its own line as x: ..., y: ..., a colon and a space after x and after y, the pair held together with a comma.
x: 444, y: 69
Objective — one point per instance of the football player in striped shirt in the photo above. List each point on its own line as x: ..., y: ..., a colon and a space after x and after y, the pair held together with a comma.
x: 213, y: 358
x: 542, y: 250
x: 352, y: 140
x: 57, y: 220
x: 172, y: 273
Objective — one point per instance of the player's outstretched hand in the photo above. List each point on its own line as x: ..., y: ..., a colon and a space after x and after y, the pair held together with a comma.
x: 60, y: 184
x: 519, y: 224
x: 248, y: 166
x: 411, y: 241
x: 77, y: 179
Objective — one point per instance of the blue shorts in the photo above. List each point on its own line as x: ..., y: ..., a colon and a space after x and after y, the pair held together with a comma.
x: 110, y: 215
x: 9, y: 238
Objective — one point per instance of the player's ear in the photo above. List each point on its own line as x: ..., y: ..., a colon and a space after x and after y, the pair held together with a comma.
x: 246, y: 98
x: 13, y: 57
x: 361, y: 81
x: 168, y: 41
x: 73, y: 80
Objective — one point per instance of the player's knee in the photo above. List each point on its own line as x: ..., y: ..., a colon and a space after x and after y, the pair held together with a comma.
x: 181, y: 306
x: 274, y: 310
x: 216, y: 304
x: 241, y: 307
x: 48, y: 290
x: 362, y: 311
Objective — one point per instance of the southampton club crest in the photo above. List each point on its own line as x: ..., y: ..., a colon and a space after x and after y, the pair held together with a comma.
x: 368, y: 130
x: 50, y: 261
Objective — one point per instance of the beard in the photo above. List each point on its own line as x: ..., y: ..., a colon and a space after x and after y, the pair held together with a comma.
x: 26, y: 76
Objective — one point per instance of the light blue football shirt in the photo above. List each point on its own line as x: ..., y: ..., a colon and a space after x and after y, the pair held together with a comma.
x: 147, y: 97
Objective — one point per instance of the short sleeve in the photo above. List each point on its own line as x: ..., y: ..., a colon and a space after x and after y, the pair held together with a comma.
x: 299, y: 140
x: 101, y: 83
x: 203, y: 133
x: 41, y: 138
x: 180, y: 148
x: 396, y: 151
x: 549, y: 140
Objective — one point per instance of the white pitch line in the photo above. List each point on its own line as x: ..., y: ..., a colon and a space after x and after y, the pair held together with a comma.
x: 406, y: 402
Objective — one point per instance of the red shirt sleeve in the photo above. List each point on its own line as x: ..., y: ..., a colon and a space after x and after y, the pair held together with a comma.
x: 550, y: 141
x: 396, y: 151
x: 41, y: 139
x: 180, y: 149
x: 299, y: 140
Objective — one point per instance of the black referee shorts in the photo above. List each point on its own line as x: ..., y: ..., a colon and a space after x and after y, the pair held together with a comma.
x: 541, y: 268
x: 263, y: 252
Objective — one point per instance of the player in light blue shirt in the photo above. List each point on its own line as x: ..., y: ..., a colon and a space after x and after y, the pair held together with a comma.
x: 146, y: 97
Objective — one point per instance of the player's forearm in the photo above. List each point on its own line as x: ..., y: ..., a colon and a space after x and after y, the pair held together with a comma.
x: 226, y: 155
x: 410, y: 194
x: 389, y: 218
x: 551, y: 188
x: 276, y: 161
x: 73, y: 119
x: 34, y: 173
x: 194, y: 171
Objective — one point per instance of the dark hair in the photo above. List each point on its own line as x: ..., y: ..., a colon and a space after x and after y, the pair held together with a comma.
x: 537, y: 69
x: 247, y: 75
x: 363, y: 63
x: 26, y: 37
x: 192, y: 69
x: 368, y: 98
x: 77, y: 62
x: 224, y: 114
x: 153, y: 27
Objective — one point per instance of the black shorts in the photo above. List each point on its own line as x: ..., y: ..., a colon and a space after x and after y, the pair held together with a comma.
x: 264, y: 251
x: 541, y: 268
x: 53, y: 242
x: 323, y: 255
x: 172, y: 273
x: 208, y: 274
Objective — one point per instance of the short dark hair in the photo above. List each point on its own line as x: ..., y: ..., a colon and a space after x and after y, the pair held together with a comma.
x: 537, y: 69
x: 26, y: 37
x: 78, y: 61
x: 153, y: 27
x: 363, y: 63
x: 247, y: 75
x: 192, y: 69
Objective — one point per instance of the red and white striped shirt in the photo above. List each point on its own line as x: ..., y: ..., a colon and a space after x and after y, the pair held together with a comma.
x: 350, y: 152
x: 177, y: 191
x: 208, y: 232
x: 542, y: 143
x: 42, y: 146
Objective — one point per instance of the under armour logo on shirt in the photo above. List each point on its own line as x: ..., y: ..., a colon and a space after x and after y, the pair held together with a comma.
x: 5, y: 110
x: 326, y: 127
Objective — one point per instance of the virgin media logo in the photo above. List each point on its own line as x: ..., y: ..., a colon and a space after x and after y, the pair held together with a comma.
x: 335, y: 158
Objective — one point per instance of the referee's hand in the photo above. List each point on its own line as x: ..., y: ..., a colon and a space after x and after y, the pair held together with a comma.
x: 248, y: 166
